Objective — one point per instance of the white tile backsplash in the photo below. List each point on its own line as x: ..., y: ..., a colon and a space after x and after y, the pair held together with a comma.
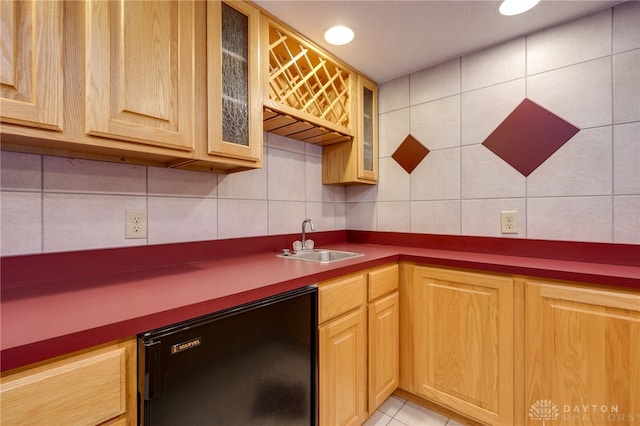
x: 93, y: 177
x: 570, y: 218
x: 250, y: 184
x: 20, y: 223
x: 394, y: 216
x: 436, y: 124
x: 485, y: 175
x: 20, y: 172
x: 435, y: 217
x: 393, y: 129
x: 485, y: 109
x: 340, y: 216
x: 582, y: 166
x: 174, y: 219
x: 394, y: 95
x: 182, y: 183
x: 315, y: 190
x: 323, y: 215
x: 626, y: 159
x: 626, y: 87
x: 283, y: 143
x: 83, y: 203
x: 242, y: 218
x: 495, y: 65
x: 435, y: 82
x: 364, y: 193
x: 578, y: 41
x: 394, y: 181
x: 580, y: 94
x: 87, y: 221
x: 286, y: 175
x: 482, y: 217
x: 285, y: 217
x: 362, y: 216
x: 626, y: 26
x: 626, y: 219
x: 437, y: 177
x: 570, y: 70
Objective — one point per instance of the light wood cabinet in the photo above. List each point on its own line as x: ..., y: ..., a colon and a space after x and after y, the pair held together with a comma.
x: 313, y: 97
x: 143, y: 82
x: 308, y: 94
x: 459, y: 338
x: 342, y: 351
x: 383, y: 336
x: 31, y: 65
x: 343, y: 366
x: 581, y: 355
x: 139, y: 75
x: 233, y: 76
x: 356, y: 160
x: 89, y: 387
x: 359, y: 344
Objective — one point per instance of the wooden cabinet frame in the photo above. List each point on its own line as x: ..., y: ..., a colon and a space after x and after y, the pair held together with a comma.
x: 32, y: 83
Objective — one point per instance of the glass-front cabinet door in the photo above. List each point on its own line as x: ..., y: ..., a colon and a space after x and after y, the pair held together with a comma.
x: 356, y: 161
x: 368, y: 130
x: 234, y: 104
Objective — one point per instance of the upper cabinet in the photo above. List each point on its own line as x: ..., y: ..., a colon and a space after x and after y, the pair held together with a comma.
x: 313, y: 97
x: 177, y: 83
x: 356, y: 160
x: 140, y: 72
x: 233, y: 76
x: 31, y: 64
x: 164, y: 83
x: 308, y: 95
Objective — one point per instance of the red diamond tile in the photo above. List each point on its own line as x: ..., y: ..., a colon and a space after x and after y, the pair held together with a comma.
x: 528, y: 136
x: 410, y: 153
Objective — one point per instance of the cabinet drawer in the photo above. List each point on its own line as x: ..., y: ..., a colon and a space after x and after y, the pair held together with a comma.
x: 383, y: 281
x: 86, y: 389
x: 341, y: 296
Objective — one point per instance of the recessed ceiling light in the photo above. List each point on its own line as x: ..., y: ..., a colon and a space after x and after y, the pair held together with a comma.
x: 338, y: 35
x: 516, y: 7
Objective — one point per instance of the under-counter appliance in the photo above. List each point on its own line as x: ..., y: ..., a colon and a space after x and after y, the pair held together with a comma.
x: 255, y: 364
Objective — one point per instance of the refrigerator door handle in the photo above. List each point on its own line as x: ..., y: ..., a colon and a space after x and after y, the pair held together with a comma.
x: 150, y: 380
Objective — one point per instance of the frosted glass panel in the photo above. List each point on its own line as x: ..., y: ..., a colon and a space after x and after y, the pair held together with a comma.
x: 235, y: 80
x: 367, y: 137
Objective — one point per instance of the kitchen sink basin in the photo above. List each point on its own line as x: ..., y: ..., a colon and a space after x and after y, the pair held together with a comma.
x: 322, y: 256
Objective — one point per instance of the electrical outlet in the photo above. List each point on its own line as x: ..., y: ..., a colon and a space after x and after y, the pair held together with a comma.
x: 136, y: 225
x: 509, y: 222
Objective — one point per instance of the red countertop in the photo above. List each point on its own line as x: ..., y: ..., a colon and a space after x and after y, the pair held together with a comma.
x: 42, y: 321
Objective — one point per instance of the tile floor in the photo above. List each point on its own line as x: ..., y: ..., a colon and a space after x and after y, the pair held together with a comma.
x: 396, y: 411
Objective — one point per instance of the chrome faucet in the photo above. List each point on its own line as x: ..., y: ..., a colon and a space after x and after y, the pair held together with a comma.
x: 304, y: 224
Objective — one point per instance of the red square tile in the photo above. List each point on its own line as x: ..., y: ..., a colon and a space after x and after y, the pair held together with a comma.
x: 410, y: 153
x: 528, y: 136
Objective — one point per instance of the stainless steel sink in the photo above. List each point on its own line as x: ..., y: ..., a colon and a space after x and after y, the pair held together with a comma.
x: 322, y: 256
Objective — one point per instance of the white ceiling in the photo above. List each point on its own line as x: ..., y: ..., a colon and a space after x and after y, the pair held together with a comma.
x: 395, y: 37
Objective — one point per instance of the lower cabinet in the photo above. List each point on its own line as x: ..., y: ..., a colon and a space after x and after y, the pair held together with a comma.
x: 358, y: 344
x: 343, y: 365
x: 581, y: 355
x: 510, y: 350
x: 342, y: 351
x: 90, y: 387
x: 460, y: 342
x: 384, y: 337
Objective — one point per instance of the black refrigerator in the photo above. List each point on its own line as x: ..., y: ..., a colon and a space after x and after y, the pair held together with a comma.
x: 251, y: 365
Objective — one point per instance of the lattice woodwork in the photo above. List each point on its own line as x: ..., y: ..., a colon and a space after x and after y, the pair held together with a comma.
x: 300, y: 78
